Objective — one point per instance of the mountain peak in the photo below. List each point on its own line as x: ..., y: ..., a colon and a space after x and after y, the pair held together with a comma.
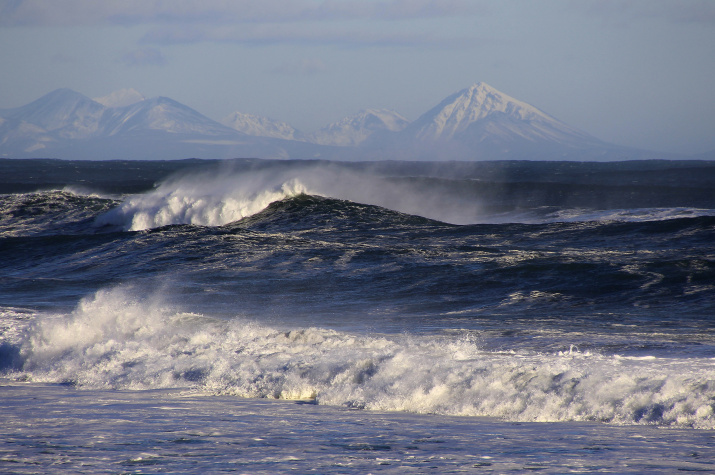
x: 121, y: 98
x: 160, y: 114
x: 62, y: 109
x: 357, y: 128
x: 261, y: 126
x: 482, y: 86
x: 63, y: 96
x: 479, y: 102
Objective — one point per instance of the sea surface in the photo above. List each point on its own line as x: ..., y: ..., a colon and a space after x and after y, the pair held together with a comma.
x: 263, y: 316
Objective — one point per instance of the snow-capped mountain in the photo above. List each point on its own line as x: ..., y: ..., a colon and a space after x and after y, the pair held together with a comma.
x: 63, y: 113
x: 160, y: 114
x: 121, y: 98
x: 482, y: 123
x: 67, y: 124
x: 261, y: 126
x: 481, y: 112
x: 356, y: 129
x: 477, y: 123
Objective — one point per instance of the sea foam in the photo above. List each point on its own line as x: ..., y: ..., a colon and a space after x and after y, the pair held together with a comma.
x: 212, y: 202
x: 114, y: 339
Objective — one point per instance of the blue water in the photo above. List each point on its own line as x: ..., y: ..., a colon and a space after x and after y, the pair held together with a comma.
x: 529, y: 292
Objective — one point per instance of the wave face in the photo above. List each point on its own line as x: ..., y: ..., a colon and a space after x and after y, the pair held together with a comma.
x: 50, y: 213
x: 544, y: 292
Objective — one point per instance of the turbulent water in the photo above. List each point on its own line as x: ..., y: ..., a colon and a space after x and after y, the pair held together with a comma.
x: 519, y: 290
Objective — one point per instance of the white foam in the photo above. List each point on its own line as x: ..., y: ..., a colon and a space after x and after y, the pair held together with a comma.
x: 115, y: 340
x: 213, y: 201
x: 630, y: 215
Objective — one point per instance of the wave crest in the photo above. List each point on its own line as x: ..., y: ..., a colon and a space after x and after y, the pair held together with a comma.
x: 217, y: 198
x: 199, y: 202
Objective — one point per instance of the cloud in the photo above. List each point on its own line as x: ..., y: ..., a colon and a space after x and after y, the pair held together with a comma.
x: 351, y: 23
x: 146, y: 56
x: 227, y: 12
x: 304, y: 67
x: 624, y: 12
x: 270, y: 34
x: 217, y: 12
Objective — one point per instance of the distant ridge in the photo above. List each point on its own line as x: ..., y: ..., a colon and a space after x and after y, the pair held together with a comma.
x: 476, y: 123
x: 356, y: 129
x: 67, y: 124
x: 261, y: 126
x: 159, y: 114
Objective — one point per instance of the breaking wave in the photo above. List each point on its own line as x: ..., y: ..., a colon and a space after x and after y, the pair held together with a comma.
x: 204, y: 203
x: 219, y: 198
x: 114, y: 339
x: 225, y: 195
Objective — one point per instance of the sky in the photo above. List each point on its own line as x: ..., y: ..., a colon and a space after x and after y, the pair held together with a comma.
x: 638, y: 73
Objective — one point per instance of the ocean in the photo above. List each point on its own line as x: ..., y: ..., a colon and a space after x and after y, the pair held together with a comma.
x: 268, y: 316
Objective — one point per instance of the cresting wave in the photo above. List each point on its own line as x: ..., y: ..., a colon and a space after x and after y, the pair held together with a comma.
x: 213, y: 203
x: 217, y: 198
x: 115, y: 340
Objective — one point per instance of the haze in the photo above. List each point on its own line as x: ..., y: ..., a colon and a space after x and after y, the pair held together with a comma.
x: 631, y: 72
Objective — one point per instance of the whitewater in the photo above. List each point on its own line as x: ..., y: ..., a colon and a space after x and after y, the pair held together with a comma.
x: 270, y: 316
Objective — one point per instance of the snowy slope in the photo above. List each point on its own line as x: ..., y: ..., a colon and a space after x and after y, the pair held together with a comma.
x: 65, y: 113
x: 356, y: 129
x: 261, y: 126
x: 160, y: 114
x: 480, y: 111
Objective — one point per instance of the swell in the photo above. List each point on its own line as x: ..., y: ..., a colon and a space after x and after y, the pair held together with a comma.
x: 211, y: 194
x: 52, y: 212
x: 323, y: 249
x: 116, y: 340
x: 218, y: 196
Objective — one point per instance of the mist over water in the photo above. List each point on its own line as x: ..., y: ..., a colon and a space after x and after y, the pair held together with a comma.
x: 226, y: 195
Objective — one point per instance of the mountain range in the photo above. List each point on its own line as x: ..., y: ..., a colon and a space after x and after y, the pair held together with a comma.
x: 477, y: 123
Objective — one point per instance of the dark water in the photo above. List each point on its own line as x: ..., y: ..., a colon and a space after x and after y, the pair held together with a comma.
x: 523, y: 290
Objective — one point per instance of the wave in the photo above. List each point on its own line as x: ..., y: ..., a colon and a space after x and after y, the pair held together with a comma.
x: 66, y: 211
x: 221, y: 197
x: 217, y: 198
x: 227, y: 194
x: 543, y: 215
x: 214, y: 202
x: 114, y: 339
